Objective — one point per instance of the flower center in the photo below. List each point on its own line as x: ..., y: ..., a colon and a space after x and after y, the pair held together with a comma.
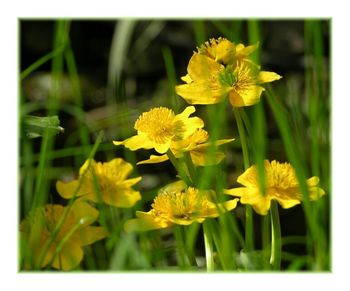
x: 180, y: 204
x: 159, y: 125
x: 280, y: 175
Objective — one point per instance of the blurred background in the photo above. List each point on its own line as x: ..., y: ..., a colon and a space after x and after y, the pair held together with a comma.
x: 100, y: 75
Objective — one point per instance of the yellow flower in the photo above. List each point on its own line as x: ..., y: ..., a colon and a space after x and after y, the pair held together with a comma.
x: 208, y: 81
x: 197, y: 146
x: 103, y: 182
x: 159, y: 127
x: 178, y: 204
x: 65, y: 251
x: 281, y: 185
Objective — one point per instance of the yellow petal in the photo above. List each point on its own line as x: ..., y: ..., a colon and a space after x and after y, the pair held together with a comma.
x: 249, y: 177
x: 262, y: 206
x: 67, y: 190
x: 266, y: 77
x: 145, y: 221
x: 136, y: 142
x: 247, y: 97
x: 154, y: 160
x: 88, y: 235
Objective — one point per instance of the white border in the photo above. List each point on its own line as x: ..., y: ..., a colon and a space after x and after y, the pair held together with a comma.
x: 13, y: 10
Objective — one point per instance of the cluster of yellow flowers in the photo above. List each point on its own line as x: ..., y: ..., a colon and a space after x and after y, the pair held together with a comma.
x: 53, y: 235
x: 219, y: 69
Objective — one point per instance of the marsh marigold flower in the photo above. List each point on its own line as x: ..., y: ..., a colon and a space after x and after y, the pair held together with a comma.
x: 197, y: 146
x: 65, y: 251
x: 178, y: 204
x: 159, y: 127
x: 281, y: 185
x: 103, y: 182
x: 221, y: 69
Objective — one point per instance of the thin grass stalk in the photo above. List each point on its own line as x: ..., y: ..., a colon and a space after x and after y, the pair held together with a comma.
x: 209, y: 248
x: 171, y: 77
x: 74, y: 77
x: 37, y: 64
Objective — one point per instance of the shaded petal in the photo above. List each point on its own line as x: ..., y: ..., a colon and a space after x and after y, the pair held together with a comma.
x: 202, y: 92
x: 287, y: 203
x: 315, y: 193
x: 67, y: 190
x: 83, y: 212
x: 202, y: 68
x: 145, y: 221
x: 247, y: 97
x: 244, y: 51
x: 225, y: 52
x: 201, y: 157
x: 119, y: 166
x: 123, y: 197
x: 215, y: 210
x: 69, y: 257
x: 88, y: 235
x: 266, y: 77
x: 313, y: 181
x: 154, y: 160
x: 130, y: 182
x: 162, y: 148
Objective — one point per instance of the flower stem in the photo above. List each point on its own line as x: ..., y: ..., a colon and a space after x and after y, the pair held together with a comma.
x: 276, y: 243
x: 208, y: 245
x: 180, y: 245
x: 249, y: 231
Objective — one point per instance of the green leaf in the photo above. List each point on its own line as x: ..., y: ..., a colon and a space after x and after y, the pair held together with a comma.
x: 35, y: 126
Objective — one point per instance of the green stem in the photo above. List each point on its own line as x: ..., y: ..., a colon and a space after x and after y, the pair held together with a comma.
x: 276, y: 242
x: 208, y: 245
x: 249, y: 231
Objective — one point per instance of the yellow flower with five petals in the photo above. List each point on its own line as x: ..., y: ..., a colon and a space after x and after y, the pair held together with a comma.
x: 160, y: 127
x: 178, y: 204
x: 65, y: 251
x: 281, y: 185
x: 103, y: 182
x: 216, y: 73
